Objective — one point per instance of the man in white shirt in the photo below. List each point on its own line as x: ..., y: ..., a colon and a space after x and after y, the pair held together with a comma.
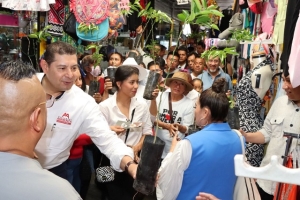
x: 23, y: 117
x: 72, y: 112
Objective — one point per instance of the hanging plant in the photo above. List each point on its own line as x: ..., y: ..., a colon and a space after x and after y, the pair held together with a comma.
x: 214, y: 52
x: 241, y: 35
x: 200, y: 14
x: 42, y: 34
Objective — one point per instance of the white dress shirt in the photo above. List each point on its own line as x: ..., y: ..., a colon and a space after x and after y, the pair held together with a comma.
x: 171, y: 171
x: 113, y: 114
x: 74, y: 113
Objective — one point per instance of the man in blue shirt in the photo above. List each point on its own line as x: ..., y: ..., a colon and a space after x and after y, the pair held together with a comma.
x: 214, y: 72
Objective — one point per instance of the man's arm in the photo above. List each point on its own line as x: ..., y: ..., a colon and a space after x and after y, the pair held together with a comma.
x: 96, y: 126
x: 256, y: 137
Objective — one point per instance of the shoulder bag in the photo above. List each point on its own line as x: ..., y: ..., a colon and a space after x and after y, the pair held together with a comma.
x: 107, y: 173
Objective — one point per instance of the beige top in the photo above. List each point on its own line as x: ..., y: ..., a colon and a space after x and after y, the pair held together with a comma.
x: 283, y: 117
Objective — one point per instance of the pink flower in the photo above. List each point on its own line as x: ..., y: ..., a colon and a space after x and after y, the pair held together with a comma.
x: 96, y: 71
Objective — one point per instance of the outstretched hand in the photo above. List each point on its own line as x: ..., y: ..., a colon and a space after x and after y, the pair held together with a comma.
x: 206, y: 196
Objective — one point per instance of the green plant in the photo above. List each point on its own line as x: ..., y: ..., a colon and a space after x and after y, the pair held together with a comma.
x: 97, y: 57
x: 200, y: 14
x: 87, y: 27
x: 242, y: 35
x: 42, y: 34
x: 214, y: 52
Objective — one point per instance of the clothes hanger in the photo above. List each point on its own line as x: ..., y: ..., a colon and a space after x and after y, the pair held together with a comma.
x: 274, y: 171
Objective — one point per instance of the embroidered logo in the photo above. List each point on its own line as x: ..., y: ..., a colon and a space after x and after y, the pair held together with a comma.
x: 64, y: 119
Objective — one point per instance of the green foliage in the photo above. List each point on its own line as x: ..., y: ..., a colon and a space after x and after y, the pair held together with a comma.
x: 214, y: 52
x: 156, y: 15
x: 135, y: 6
x: 242, y: 35
x: 41, y: 35
x: 152, y: 49
x: 200, y: 14
x: 97, y: 57
x: 87, y: 27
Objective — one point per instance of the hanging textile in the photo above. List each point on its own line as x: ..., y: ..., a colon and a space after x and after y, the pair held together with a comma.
x: 56, y: 18
x: 294, y: 60
x: 32, y: 5
x: 250, y: 105
x: 292, y: 14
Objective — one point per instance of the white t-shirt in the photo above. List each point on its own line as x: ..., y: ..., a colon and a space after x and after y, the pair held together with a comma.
x: 183, y: 113
x: 74, y: 113
x: 113, y: 114
x: 24, y: 178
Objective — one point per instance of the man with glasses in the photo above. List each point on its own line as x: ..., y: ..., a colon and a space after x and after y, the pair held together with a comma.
x: 23, y: 117
x: 214, y: 72
x: 72, y: 112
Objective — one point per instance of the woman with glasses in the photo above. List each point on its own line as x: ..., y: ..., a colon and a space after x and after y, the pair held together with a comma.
x: 175, y: 110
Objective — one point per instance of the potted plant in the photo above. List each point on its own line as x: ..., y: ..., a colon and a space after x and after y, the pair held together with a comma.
x: 96, y: 70
x: 153, y: 147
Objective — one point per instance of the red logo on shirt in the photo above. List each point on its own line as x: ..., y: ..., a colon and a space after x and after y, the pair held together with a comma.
x: 64, y: 119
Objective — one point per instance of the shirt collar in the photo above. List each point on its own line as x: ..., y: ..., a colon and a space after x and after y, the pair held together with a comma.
x: 133, y: 102
x: 217, y: 126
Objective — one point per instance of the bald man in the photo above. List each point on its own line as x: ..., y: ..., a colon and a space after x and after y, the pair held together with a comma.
x: 23, y: 116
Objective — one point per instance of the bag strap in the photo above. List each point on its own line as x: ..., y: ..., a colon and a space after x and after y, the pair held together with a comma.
x: 127, y: 132
x: 242, y: 142
x: 170, y: 109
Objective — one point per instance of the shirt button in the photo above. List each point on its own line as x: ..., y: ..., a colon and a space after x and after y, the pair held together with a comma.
x: 275, y: 120
x: 297, y: 110
x: 291, y: 125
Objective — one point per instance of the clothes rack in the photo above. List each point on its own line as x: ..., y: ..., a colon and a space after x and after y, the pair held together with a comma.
x: 274, y: 171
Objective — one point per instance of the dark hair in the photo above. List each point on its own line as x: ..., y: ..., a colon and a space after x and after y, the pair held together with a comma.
x: 16, y: 70
x: 162, y: 47
x: 202, y: 44
x: 193, y: 53
x: 191, y: 49
x: 216, y: 100
x: 182, y: 48
x: 86, y: 61
x: 197, y: 79
x: 60, y: 48
x: 121, y: 56
x: 175, y: 53
x: 123, y: 72
x: 157, y: 61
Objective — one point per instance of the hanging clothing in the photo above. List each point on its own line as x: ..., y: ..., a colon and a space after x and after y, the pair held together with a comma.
x: 293, y: 8
x: 267, y: 17
x: 56, y: 18
x: 250, y: 105
x: 294, y: 69
x: 280, y: 21
x: 224, y: 22
x: 32, y: 5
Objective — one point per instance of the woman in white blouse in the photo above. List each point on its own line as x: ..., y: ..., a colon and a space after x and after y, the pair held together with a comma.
x: 121, y: 109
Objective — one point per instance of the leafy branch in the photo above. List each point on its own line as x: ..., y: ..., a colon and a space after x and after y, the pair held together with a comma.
x: 87, y: 27
x: 200, y: 14
x: 96, y: 56
x: 242, y: 35
x: 42, y: 34
x: 214, y: 52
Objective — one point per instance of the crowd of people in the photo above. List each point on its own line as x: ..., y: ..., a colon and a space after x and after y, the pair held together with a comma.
x: 54, y: 132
